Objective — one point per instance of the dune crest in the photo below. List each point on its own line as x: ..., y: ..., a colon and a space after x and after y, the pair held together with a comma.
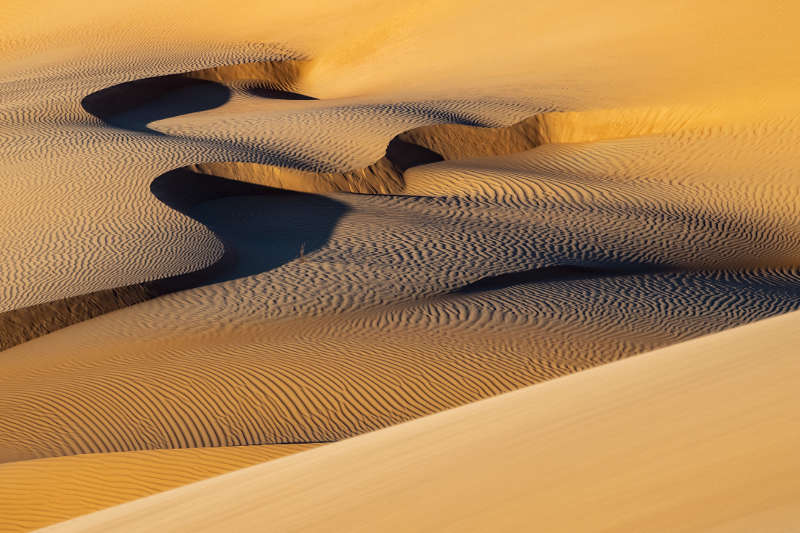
x: 545, y: 188
x: 452, y: 141
x: 42, y: 492
x: 134, y: 104
x: 617, y: 443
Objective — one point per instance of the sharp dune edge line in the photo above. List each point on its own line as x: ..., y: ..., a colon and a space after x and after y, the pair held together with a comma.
x: 419, y: 146
x: 447, y: 142
x: 24, y: 324
x: 45, y: 491
x: 280, y: 75
x: 616, y: 442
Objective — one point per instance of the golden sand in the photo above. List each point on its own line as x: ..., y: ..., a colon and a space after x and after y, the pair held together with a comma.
x: 546, y: 187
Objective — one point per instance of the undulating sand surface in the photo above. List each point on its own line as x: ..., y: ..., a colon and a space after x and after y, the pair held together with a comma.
x: 278, y: 224
x: 701, y: 436
x: 45, y: 491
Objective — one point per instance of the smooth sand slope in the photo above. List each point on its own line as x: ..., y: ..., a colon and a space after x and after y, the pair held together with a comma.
x: 700, y: 436
x: 37, y: 493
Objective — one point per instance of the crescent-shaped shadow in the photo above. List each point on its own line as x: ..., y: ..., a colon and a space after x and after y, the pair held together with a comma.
x: 135, y: 104
x: 260, y: 227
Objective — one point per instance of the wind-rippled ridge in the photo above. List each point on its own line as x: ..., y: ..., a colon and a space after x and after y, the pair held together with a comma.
x: 608, y: 234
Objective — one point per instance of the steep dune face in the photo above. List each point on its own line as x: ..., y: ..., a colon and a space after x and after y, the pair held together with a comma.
x: 24, y: 324
x: 695, y: 437
x: 134, y: 104
x: 38, y: 493
x: 442, y: 142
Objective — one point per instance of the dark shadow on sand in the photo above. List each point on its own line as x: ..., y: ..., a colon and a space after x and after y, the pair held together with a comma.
x: 261, y: 227
x: 556, y: 273
x: 134, y: 104
x: 405, y: 155
x: 276, y: 94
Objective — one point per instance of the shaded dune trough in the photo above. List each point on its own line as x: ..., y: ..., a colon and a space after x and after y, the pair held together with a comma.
x: 133, y: 105
x: 187, y: 192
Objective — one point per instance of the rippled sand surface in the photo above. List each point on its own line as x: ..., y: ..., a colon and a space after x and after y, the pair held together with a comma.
x: 231, y: 233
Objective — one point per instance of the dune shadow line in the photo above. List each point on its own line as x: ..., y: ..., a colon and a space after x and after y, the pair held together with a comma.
x: 133, y: 105
x: 558, y: 273
x: 260, y: 227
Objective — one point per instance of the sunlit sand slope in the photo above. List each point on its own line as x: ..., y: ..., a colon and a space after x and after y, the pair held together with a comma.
x: 37, y: 493
x: 615, y: 177
x: 179, y: 379
x: 700, y: 436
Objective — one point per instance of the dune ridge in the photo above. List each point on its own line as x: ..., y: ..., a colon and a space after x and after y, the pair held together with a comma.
x: 614, y: 441
x: 415, y: 147
x: 224, y: 385
x: 600, y: 180
x: 193, y: 90
x: 37, y: 493
x: 453, y: 141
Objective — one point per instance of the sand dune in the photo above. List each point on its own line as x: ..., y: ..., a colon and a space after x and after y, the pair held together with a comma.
x: 695, y: 437
x: 381, y: 320
x: 587, y: 65
x: 37, y: 493
x: 547, y: 187
x: 27, y: 323
x: 134, y: 104
x: 191, y: 381
x: 440, y: 142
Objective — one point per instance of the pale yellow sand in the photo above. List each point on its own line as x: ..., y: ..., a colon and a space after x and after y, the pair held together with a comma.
x: 41, y: 492
x: 700, y: 436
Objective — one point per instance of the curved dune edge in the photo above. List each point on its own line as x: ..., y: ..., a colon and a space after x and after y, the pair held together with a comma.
x: 21, y: 325
x: 415, y: 147
x: 45, y: 491
x: 608, y: 449
x: 181, y: 190
x: 281, y: 76
x: 447, y: 142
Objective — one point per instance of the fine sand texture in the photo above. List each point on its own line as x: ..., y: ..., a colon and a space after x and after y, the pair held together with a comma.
x: 700, y: 436
x: 45, y: 491
x: 234, y: 227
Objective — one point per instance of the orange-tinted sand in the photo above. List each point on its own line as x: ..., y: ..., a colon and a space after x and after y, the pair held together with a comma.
x: 700, y: 436
x: 542, y: 188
